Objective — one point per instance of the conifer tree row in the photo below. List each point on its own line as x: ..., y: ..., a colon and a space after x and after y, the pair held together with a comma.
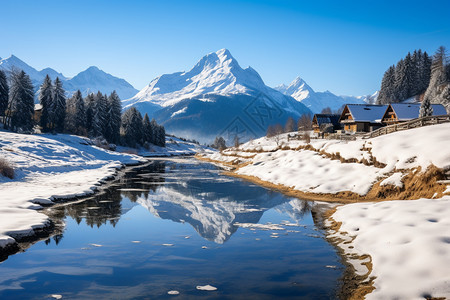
x: 410, y: 77
x: 95, y: 116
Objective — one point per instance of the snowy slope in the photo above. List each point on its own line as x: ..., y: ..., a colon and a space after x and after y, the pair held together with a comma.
x: 48, y: 167
x: 205, y: 101
x: 316, y: 101
x: 90, y: 80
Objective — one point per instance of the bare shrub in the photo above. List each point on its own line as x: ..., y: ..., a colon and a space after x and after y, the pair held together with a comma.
x: 6, y: 168
x: 306, y: 137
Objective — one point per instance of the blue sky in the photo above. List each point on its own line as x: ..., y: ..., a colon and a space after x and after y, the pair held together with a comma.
x: 341, y: 46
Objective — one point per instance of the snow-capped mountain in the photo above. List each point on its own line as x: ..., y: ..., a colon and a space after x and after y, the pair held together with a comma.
x: 211, y: 214
x: 298, y: 89
x: 93, y: 79
x: 90, y: 80
x: 216, y: 97
x: 216, y: 73
x: 369, y: 99
x: 317, y: 101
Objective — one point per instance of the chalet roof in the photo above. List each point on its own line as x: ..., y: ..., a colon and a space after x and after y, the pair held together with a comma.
x: 409, y: 111
x: 327, y: 119
x: 367, y: 112
x: 38, y: 106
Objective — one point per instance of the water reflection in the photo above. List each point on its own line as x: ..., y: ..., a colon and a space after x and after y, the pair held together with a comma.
x: 114, y: 245
x: 191, y: 193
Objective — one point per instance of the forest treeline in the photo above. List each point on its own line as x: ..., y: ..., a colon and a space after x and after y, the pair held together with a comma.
x: 97, y: 116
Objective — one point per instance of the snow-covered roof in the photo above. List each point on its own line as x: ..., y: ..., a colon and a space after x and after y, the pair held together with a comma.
x: 38, y: 106
x: 367, y: 112
x: 409, y: 111
x: 326, y: 118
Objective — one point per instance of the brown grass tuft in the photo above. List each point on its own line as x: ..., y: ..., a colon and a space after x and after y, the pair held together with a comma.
x: 6, y: 168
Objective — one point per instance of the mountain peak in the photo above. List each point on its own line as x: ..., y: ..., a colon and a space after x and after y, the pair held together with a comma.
x: 93, y: 69
x: 215, y: 73
x: 224, y: 53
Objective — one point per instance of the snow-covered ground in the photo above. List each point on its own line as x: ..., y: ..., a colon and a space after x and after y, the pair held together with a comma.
x: 174, y: 147
x: 408, y: 240
x: 48, y: 167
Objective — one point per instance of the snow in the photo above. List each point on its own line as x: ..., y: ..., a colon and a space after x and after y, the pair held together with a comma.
x: 316, y: 101
x: 409, y: 242
x: 217, y: 73
x: 173, y: 292
x: 90, y: 80
x: 174, y: 147
x: 367, y: 113
x: 395, y: 180
x: 49, y: 167
x: 308, y: 171
x: 409, y: 111
x: 206, y: 288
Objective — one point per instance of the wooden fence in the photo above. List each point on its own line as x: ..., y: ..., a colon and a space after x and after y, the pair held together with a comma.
x: 420, y: 122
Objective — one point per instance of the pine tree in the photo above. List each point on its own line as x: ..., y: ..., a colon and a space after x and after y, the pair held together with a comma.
x: 76, y: 115
x: 4, y: 91
x: 426, y: 109
x: 100, y: 116
x: 219, y: 143
x: 20, y: 102
x: 147, y: 130
x: 46, y: 101
x: 438, y: 76
x: 154, y: 127
x: 445, y: 97
x: 89, y: 104
x: 114, y: 118
x: 162, y: 132
x: 386, y: 94
x: 59, y: 106
x: 131, y: 127
x: 410, y: 77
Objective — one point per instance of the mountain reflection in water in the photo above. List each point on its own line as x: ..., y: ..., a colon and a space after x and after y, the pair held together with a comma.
x: 191, y: 193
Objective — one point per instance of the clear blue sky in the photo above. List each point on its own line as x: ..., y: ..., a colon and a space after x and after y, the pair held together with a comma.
x: 341, y: 46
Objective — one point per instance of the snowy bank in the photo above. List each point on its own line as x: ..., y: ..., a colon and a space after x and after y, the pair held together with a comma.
x: 334, y: 166
x: 398, y: 249
x: 174, y: 147
x: 408, y: 242
x: 49, y: 167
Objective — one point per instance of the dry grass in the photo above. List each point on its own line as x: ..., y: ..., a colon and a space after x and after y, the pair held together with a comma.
x: 6, y: 168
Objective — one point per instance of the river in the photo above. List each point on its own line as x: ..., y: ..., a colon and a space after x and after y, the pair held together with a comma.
x: 174, y: 225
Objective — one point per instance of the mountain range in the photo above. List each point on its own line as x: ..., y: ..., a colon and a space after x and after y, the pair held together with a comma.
x: 317, y: 101
x: 216, y: 97
x: 90, y: 80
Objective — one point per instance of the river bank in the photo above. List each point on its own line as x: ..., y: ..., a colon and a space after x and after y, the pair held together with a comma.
x: 406, y: 166
x: 49, y: 168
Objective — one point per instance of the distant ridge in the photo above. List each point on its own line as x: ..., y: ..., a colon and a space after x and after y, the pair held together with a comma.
x: 91, y: 80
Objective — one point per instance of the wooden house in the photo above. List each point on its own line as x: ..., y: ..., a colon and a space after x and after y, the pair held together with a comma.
x: 402, y: 112
x: 362, y: 117
x: 37, y: 113
x: 325, y: 123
